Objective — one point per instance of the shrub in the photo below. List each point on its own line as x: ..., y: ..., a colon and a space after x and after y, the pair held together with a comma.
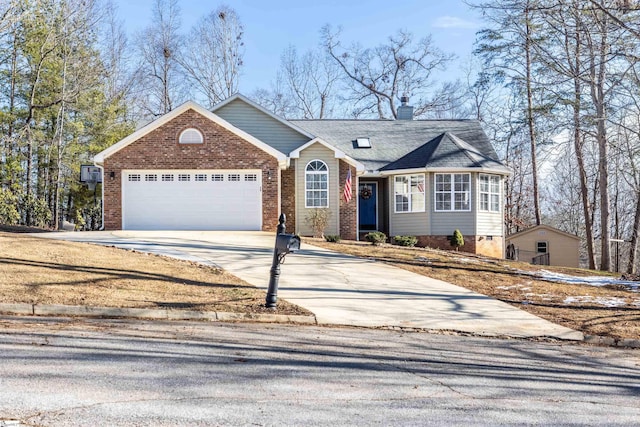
x: 457, y: 239
x: 8, y: 208
x: 376, y: 237
x: 40, y: 213
x: 333, y: 238
x: 410, y: 241
x: 318, y: 219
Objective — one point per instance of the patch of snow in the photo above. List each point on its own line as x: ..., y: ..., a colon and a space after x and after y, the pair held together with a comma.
x: 589, y: 280
x: 466, y: 260
x: 605, y: 302
x: 517, y: 286
x: 542, y: 296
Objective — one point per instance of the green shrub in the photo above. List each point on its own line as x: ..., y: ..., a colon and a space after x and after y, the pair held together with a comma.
x: 8, y: 208
x: 333, y: 238
x: 410, y: 241
x: 376, y: 237
x: 457, y: 239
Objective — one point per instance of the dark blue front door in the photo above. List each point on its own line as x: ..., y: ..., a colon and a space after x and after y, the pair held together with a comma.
x: 367, y: 203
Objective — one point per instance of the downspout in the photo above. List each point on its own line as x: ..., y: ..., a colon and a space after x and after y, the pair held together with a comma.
x: 101, y: 196
x: 356, y: 192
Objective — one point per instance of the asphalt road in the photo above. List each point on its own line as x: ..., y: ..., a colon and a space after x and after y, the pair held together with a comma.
x: 61, y: 372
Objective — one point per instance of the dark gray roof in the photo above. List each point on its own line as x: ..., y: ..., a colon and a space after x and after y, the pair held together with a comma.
x: 409, y: 144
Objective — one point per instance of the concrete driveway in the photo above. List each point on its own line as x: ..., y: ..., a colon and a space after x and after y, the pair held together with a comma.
x: 339, y: 289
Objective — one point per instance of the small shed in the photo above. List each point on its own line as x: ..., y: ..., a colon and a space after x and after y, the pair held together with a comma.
x: 544, y: 245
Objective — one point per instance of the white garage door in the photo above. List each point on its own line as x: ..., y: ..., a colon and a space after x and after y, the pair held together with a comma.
x: 192, y: 200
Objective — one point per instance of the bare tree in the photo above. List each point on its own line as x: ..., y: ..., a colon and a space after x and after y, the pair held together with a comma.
x: 159, y: 46
x: 116, y: 56
x: 213, y: 58
x: 378, y: 77
x: 310, y: 80
x: 508, y: 49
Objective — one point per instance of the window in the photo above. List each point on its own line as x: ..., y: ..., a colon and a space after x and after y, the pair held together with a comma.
x: 489, y: 193
x: 363, y: 143
x: 251, y: 177
x: 316, y: 186
x: 184, y: 177
x: 453, y: 191
x: 234, y: 177
x: 134, y: 177
x: 541, y: 247
x: 409, y: 193
x: 190, y: 136
x: 151, y: 177
x: 217, y: 177
x: 200, y: 177
x: 167, y: 177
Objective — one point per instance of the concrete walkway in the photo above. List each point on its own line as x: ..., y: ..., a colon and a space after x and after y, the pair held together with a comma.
x: 339, y: 289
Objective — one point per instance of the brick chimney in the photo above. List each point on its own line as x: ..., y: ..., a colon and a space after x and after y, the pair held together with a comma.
x: 405, y: 112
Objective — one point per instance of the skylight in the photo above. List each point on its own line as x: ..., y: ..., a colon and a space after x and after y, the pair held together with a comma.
x: 363, y: 143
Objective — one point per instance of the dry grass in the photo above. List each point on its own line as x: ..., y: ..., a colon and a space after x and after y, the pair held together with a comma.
x: 43, y: 271
x: 505, y: 281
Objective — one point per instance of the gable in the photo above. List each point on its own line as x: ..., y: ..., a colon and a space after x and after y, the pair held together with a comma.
x: 543, y: 228
x: 446, y: 151
x: 266, y: 127
x: 168, y: 120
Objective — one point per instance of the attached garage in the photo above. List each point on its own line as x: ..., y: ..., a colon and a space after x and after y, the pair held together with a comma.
x: 192, y: 200
x: 191, y: 170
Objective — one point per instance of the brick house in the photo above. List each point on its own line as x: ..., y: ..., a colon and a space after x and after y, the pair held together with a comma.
x: 237, y: 167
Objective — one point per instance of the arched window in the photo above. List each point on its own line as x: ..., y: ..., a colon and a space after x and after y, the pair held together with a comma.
x: 316, y: 181
x: 190, y: 136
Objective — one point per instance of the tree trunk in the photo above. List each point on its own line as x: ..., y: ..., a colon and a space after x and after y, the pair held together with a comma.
x: 633, y: 251
x: 530, y: 118
x: 603, y: 153
x: 577, y: 145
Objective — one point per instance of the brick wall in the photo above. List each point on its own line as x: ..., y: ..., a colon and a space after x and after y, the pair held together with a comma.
x: 348, y: 211
x: 288, y: 196
x: 159, y: 149
x: 443, y: 242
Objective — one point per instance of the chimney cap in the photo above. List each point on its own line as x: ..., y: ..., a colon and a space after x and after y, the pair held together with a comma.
x: 404, y: 99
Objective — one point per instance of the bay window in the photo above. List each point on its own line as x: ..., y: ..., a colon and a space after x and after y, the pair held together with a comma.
x: 453, y: 192
x: 409, y: 192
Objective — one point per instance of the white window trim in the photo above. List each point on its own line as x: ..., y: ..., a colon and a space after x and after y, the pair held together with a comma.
x: 452, y: 192
x: 424, y: 193
x: 191, y: 142
x: 490, y: 193
x: 316, y: 173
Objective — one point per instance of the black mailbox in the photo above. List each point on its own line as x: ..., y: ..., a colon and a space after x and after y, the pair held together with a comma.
x: 286, y: 243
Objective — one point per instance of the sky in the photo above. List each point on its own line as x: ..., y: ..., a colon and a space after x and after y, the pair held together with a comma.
x: 272, y: 25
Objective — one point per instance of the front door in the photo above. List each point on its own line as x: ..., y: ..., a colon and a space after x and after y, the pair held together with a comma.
x: 367, y: 206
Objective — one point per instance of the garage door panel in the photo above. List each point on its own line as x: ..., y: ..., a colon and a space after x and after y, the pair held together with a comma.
x: 192, y: 205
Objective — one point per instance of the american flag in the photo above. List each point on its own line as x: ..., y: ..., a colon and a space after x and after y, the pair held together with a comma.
x: 347, y: 187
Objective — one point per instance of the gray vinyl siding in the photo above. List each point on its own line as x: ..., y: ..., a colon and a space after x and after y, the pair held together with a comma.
x: 262, y: 126
x: 444, y: 223
x: 409, y: 223
x: 489, y: 223
x: 317, y: 152
x: 473, y: 222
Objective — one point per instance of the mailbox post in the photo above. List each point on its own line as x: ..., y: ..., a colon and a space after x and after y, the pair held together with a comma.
x: 285, y: 243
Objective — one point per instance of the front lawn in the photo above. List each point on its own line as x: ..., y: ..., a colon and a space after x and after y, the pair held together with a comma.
x: 44, y: 271
x: 609, y: 310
